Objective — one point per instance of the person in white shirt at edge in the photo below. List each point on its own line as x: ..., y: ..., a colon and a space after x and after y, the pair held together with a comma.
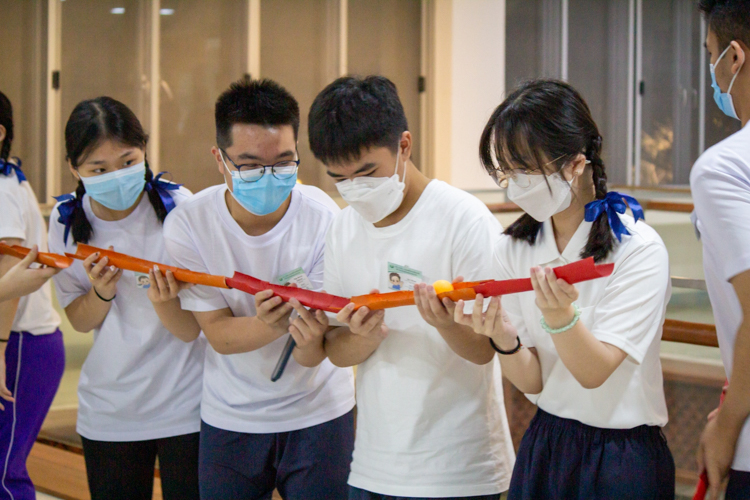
x: 295, y: 434
x: 140, y: 387
x: 32, y: 355
x: 720, y: 184
x: 431, y: 420
x: 590, y: 356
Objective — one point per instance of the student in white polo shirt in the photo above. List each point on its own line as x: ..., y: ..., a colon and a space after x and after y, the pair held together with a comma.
x: 32, y: 355
x: 720, y: 183
x: 430, y: 415
x: 587, y: 355
x: 295, y: 434
x: 140, y: 387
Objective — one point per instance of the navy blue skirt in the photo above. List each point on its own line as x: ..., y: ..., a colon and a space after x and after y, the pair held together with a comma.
x: 563, y: 458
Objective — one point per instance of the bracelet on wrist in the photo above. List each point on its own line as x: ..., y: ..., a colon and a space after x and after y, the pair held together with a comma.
x: 556, y: 331
x: 507, y: 353
x: 4, y: 340
x: 102, y: 298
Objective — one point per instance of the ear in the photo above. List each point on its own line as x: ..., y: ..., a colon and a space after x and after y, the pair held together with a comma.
x: 74, y: 171
x: 574, y: 168
x: 739, y: 55
x: 217, y: 156
x: 405, y: 144
x: 2, y: 133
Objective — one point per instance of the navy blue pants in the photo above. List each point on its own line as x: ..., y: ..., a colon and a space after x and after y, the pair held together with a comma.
x: 359, y: 494
x: 34, y: 365
x: 307, y: 464
x: 739, y: 485
x: 565, y: 459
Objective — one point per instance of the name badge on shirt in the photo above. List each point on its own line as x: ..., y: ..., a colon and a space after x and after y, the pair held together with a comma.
x: 297, y: 277
x: 402, y: 277
x: 142, y: 281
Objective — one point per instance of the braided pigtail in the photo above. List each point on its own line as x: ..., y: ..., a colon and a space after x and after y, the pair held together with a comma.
x: 153, y: 196
x: 601, y: 241
x: 80, y: 226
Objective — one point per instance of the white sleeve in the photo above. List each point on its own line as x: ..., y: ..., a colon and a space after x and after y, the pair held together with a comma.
x: 183, y: 252
x: 11, y: 222
x: 68, y: 283
x: 722, y: 203
x: 331, y: 280
x: 511, y: 303
x: 630, y: 312
x: 472, y: 249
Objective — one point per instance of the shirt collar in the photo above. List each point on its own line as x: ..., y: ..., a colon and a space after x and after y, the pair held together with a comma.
x: 548, y: 252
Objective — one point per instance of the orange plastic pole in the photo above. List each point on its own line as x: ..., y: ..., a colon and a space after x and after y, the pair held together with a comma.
x: 47, y: 259
x: 144, y: 266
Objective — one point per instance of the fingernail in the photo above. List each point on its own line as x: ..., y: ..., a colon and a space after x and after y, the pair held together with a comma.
x: 112, y: 268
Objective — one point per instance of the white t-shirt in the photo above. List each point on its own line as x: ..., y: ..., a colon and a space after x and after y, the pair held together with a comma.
x: 625, y: 309
x: 238, y: 394
x: 720, y: 183
x: 139, y: 381
x: 429, y: 423
x: 21, y: 219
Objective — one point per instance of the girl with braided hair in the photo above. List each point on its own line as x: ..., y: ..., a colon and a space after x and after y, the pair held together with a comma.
x: 140, y: 387
x: 587, y: 355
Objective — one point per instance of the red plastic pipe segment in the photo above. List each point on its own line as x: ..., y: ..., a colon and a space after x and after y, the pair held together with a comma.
x: 308, y: 298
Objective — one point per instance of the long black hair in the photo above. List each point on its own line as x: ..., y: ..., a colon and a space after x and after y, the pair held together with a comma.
x: 6, y: 120
x: 541, y: 120
x: 92, y: 122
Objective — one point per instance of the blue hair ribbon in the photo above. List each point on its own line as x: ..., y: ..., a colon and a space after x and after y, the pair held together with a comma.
x: 68, y: 204
x: 7, y: 167
x: 163, y: 189
x: 614, y: 204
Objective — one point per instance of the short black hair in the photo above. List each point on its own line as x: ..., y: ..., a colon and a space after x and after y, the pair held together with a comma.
x: 6, y: 120
x: 254, y: 102
x: 728, y: 19
x: 352, y: 114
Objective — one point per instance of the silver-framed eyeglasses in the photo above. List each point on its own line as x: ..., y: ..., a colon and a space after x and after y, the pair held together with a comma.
x: 253, y: 172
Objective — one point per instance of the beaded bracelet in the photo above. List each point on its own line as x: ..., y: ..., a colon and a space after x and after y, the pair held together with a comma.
x: 555, y: 331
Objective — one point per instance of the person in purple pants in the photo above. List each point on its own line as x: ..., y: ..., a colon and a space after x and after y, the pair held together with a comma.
x: 32, y: 357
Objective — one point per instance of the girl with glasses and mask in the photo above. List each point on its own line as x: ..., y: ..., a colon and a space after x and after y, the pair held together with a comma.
x: 140, y: 387
x: 587, y: 355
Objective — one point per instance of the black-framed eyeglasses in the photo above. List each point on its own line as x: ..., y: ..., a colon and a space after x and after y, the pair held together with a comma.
x: 253, y: 172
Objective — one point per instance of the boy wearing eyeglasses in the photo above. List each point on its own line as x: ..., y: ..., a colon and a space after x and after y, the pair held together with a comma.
x: 295, y: 434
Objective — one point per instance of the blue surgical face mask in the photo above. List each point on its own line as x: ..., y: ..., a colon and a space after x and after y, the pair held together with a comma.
x: 117, y: 190
x: 263, y: 196
x: 723, y: 99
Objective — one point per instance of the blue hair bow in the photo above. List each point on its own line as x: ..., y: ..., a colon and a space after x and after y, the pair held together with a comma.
x: 163, y: 189
x: 613, y: 204
x: 7, y: 167
x: 68, y: 204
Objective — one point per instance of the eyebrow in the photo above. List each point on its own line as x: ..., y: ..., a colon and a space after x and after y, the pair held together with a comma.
x: 364, y: 168
x: 99, y: 162
x: 248, y: 156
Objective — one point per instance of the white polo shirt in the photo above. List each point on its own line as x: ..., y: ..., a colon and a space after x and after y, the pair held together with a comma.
x: 429, y: 423
x: 139, y: 381
x: 625, y: 309
x: 21, y: 219
x: 720, y: 183
x: 238, y: 394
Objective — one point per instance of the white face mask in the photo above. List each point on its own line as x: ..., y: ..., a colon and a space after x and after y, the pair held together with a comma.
x: 374, y: 198
x: 534, y: 197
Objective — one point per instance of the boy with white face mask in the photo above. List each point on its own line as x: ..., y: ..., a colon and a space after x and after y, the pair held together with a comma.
x: 431, y: 421
x: 720, y: 184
